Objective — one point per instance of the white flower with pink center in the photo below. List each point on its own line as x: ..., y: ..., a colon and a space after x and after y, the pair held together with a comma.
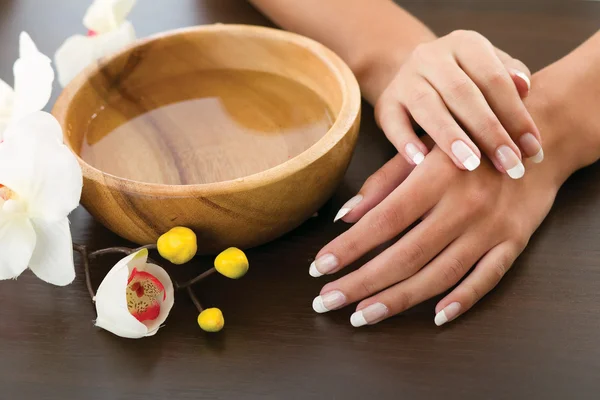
x: 135, y: 298
x: 40, y: 184
x: 108, y: 32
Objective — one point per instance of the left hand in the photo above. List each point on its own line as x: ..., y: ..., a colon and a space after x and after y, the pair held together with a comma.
x: 480, y: 218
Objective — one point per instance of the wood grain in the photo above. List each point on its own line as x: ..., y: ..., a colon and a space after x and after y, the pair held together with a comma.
x: 228, y: 202
x: 534, y: 337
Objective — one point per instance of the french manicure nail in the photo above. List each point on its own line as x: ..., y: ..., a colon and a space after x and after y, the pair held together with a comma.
x: 510, y: 162
x: 523, y: 77
x: 450, y: 312
x: 323, y: 265
x: 465, y: 155
x: 369, y: 315
x: 347, y: 207
x: 532, y: 147
x: 414, y: 153
x: 329, y: 301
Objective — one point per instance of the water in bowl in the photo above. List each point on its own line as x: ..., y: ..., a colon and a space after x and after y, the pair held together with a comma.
x: 205, y: 127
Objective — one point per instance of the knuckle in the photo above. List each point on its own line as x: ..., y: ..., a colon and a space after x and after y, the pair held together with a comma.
x: 453, y: 271
x: 496, y: 78
x: 402, y: 301
x: 459, y: 88
x: 419, y: 95
x: 412, y: 254
x: 490, y: 129
x: 465, y: 35
x: 499, y: 268
x: 421, y: 52
x: 474, y: 293
x: 478, y: 199
x: 378, y: 179
x: 367, y: 288
x: 347, y: 245
x: 386, y: 220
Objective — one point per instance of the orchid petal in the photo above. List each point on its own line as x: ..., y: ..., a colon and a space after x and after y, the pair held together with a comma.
x: 43, y: 172
x: 167, y: 304
x: 52, y: 259
x: 33, y: 124
x: 17, y: 241
x: 107, y: 15
x: 78, y: 51
x: 33, y: 79
x: 111, y: 300
x: 7, y: 97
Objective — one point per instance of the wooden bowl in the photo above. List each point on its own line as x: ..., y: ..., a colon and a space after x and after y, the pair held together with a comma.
x: 238, y: 192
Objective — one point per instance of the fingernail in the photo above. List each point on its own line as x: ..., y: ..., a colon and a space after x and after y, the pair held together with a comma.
x: 510, y: 162
x: 447, y: 314
x: 329, y: 301
x: 523, y: 76
x: 349, y: 206
x: 532, y: 148
x: 465, y: 155
x: 323, y: 265
x: 414, y: 153
x: 369, y: 315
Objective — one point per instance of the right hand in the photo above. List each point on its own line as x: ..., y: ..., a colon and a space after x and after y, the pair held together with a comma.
x: 462, y: 90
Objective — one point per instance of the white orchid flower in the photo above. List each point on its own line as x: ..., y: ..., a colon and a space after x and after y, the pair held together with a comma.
x: 108, y: 33
x: 33, y: 84
x: 135, y: 298
x: 40, y: 184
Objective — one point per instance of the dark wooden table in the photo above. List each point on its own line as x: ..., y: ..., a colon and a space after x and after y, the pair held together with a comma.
x: 536, y: 336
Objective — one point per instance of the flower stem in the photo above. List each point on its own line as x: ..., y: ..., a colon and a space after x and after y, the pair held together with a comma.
x: 194, y: 299
x: 195, y: 280
x: 82, y: 249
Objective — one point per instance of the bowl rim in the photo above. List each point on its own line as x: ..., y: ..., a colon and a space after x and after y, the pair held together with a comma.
x: 343, y: 123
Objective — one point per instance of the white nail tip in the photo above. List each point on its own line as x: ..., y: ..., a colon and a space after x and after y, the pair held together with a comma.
x: 313, y: 271
x: 517, y: 171
x: 341, y: 214
x: 524, y: 77
x: 440, y: 318
x: 318, y: 305
x: 472, y: 163
x: 349, y: 206
x: 357, y: 319
x: 538, y: 158
x: 418, y: 158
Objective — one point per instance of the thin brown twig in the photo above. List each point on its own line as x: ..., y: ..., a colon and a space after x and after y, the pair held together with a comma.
x: 195, y: 280
x: 82, y: 249
x: 194, y: 299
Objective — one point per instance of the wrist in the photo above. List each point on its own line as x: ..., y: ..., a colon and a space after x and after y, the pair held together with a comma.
x: 563, y: 103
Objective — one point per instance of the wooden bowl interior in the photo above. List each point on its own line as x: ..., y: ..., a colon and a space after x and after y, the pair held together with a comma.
x: 265, y: 100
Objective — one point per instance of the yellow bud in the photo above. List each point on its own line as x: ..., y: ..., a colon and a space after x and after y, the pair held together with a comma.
x: 179, y: 245
x: 232, y: 263
x: 211, y: 320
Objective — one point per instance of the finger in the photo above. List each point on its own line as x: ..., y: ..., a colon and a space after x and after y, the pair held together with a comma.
x: 394, y: 121
x: 486, y: 275
x: 397, y: 263
x: 429, y: 111
x: 440, y: 275
x: 376, y: 188
x: 519, y: 72
x: 401, y: 208
x: 509, y: 114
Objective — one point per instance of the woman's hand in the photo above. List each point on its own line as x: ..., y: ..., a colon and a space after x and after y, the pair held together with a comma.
x: 480, y: 219
x: 462, y: 91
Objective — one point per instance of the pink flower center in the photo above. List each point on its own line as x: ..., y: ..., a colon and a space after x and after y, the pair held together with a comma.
x: 91, y: 33
x: 145, y: 293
